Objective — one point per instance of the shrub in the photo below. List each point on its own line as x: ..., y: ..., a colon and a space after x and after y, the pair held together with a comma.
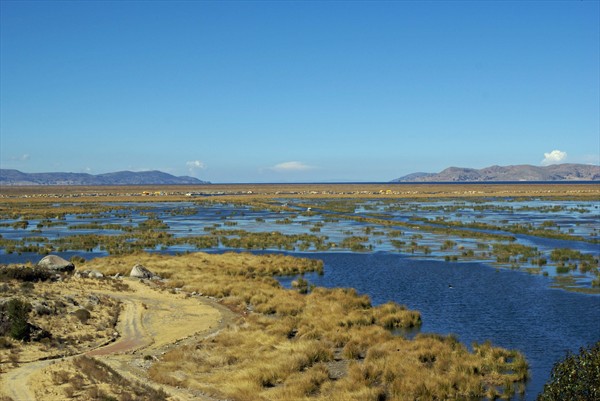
x: 83, y: 315
x: 23, y: 273
x: 575, y: 378
x: 5, y: 343
x: 77, y: 260
x: 18, y: 312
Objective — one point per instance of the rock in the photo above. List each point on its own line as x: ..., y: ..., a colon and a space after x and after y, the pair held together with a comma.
x: 95, y: 274
x: 94, y: 300
x: 41, y: 308
x: 89, y: 274
x: 56, y: 263
x: 140, y: 271
x: 36, y: 333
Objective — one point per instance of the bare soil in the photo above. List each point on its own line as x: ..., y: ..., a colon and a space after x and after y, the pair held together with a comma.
x: 150, y: 323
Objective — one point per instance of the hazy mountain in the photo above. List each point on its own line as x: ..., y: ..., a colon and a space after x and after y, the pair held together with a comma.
x: 15, y: 177
x: 524, y: 172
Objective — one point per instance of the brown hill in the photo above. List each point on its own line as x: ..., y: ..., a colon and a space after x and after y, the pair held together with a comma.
x: 524, y: 172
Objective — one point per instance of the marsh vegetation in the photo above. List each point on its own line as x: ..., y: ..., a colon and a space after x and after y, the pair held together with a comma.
x: 509, y: 232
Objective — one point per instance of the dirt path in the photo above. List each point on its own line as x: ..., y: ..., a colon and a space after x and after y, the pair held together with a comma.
x: 15, y: 383
x: 151, y: 323
x: 131, y: 333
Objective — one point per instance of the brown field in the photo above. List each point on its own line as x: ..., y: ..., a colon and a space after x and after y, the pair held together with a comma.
x: 263, y: 192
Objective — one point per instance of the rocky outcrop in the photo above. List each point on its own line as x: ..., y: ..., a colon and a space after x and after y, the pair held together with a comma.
x: 56, y: 263
x: 139, y: 271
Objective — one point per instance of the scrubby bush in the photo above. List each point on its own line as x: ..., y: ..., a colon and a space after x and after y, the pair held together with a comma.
x: 575, y: 378
x: 14, y: 316
x: 23, y: 273
x: 77, y: 260
x: 83, y: 315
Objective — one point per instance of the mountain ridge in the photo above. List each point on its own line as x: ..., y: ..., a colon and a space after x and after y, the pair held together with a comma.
x: 521, y: 172
x: 154, y: 177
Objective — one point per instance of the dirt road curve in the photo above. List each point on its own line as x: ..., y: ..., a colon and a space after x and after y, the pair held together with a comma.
x: 151, y: 322
x: 15, y: 382
x: 132, y: 335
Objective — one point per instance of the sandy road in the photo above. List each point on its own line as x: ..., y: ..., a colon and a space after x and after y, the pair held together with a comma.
x: 151, y: 322
x: 15, y: 382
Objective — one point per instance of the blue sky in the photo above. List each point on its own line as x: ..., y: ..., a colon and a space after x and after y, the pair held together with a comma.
x: 297, y: 91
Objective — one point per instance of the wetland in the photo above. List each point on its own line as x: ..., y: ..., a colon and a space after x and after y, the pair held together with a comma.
x: 513, y: 265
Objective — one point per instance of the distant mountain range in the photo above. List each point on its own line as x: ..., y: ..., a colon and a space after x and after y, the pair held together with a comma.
x: 15, y: 177
x: 524, y: 172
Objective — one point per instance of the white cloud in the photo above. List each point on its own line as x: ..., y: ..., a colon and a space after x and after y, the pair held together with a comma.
x: 23, y: 158
x: 291, y: 166
x: 195, y: 165
x: 554, y: 157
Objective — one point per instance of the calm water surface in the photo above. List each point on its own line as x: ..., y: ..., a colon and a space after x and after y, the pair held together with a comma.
x: 512, y: 309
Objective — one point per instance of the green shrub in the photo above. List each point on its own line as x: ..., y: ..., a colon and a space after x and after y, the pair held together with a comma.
x: 575, y: 378
x: 17, y: 312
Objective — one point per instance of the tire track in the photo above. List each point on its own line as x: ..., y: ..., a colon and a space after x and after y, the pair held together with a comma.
x: 119, y: 354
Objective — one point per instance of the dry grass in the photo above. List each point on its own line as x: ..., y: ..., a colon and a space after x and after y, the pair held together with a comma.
x: 286, y: 347
x: 265, y: 192
x: 84, y: 378
x: 76, y: 319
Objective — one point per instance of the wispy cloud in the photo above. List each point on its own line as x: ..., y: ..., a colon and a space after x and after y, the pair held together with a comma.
x: 554, y: 157
x: 195, y: 165
x: 291, y: 166
x: 23, y: 158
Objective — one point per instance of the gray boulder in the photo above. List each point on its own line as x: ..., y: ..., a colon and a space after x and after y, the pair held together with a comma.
x: 56, y: 263
x: 95, y: 274
x: 139, y: 271
x: 89, y: 274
